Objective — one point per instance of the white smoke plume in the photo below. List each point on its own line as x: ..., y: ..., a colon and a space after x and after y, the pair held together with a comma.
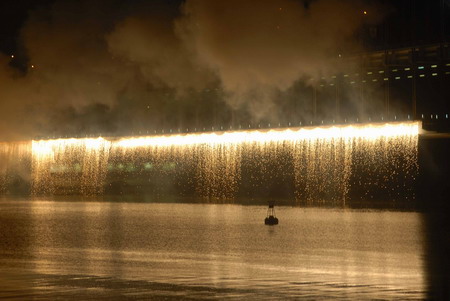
x: 93, y: 66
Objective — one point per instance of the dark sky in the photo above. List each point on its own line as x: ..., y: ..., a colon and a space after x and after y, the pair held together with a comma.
x: 12, y: 16
x: 118, y: 66
x: 425, y: 14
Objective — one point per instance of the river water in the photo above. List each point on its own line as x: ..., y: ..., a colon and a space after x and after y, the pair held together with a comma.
x: 87, y: 249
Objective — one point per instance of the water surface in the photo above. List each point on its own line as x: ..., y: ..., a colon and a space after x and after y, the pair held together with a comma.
x: 107, y: 250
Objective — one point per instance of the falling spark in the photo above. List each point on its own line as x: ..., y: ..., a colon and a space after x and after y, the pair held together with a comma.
x: 319, y: 160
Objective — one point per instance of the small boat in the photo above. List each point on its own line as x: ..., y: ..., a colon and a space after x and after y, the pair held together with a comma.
x: 271, y: 218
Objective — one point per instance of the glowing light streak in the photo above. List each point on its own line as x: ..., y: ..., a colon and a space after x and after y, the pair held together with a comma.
x: 371, y: 131
x: 47, y: 147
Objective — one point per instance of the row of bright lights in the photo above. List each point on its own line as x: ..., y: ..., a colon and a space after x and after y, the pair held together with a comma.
x: 434, y: 116
x: 387, y: 78
x: 384, y: 71
x: 367, y: 131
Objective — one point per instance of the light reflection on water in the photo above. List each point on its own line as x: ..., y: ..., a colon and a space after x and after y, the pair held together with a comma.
x: 55, y: 249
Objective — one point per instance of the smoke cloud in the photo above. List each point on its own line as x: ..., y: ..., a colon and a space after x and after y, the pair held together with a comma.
x: 260, y: 47
x: 98, y: 67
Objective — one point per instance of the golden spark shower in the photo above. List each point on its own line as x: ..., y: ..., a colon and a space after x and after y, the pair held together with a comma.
x: 310, y: 164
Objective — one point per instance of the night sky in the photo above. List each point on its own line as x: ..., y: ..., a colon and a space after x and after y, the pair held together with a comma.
x: 71, y: 68
x: 406, y: 20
